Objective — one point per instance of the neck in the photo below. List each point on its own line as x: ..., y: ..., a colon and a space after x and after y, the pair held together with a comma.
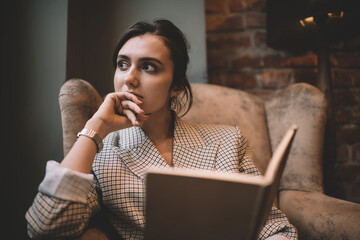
x: 159, y: 126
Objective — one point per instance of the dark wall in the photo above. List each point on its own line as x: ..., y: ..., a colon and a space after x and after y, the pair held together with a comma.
x: 95, y: 27
x: 33, y: 59
x: 45, y: 42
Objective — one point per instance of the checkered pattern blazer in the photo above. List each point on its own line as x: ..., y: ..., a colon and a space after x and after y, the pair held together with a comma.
x: 67, y: 199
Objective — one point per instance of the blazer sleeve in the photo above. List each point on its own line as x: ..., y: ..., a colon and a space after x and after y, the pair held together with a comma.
x: 64, y: 204
x: 277, y: 225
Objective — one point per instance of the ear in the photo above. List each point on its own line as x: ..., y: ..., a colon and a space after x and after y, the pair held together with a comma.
x: 175, y: 92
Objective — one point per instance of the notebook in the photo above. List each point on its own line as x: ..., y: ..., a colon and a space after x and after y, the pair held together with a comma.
x: 188, y: 204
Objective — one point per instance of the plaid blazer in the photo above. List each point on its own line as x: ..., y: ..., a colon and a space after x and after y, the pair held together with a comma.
x: 66, y: 202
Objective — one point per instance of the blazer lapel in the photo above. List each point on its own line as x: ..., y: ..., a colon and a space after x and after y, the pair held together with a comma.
x: 190, y: 150
x: 138, y: 152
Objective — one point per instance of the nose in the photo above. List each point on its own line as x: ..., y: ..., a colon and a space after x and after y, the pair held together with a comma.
x: 131, y: 78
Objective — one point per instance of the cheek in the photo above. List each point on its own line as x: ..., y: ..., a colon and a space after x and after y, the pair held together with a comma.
x: 118, y: 83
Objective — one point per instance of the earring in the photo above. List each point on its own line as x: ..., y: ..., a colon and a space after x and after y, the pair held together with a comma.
x: 174, y: 103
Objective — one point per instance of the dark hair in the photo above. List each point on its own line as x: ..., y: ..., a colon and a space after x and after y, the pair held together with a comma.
x: 176, y: 42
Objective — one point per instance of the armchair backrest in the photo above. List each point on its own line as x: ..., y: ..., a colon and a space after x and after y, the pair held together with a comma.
x: 223, y: 105
x: 78, y: 101
x: 306, y: 106
x: 263, y: 122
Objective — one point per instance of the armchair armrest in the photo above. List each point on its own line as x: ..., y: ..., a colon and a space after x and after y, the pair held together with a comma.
x: 318, y: 216
x: 76, y: 98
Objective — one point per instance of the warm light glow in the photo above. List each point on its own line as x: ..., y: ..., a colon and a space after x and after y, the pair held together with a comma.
x: 336, y: 15
x: 302, y: 23
x: 305, y: 21
x: 309, y: 19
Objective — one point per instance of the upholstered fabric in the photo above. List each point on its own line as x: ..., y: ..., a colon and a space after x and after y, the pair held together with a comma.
x: 301, y: 196
x: 78, y: 101
x: 220, y: 105
x: 304, y: 105
x: 318, y: 216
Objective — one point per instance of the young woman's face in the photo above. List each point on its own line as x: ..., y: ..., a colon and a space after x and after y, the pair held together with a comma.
x: 145, y: 68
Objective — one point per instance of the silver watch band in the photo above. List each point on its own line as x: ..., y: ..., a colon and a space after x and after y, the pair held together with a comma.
x: 93, y: 136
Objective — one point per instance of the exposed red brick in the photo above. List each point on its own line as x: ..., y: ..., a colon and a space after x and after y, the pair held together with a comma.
x: 346, y: 78
x: 354, y: 192
x: 223, y: 22
x: 353, y: 44
x: 225, y: 41
x: 346, y: 97
x: 215, y: 5
x: 275, y: 79
x: 348, y: 135
x: 342, y: 152
x: 277, y: 60
x: 214, y: 78
x: 341, y: 116
x: 235, y: 22
x: 307, y: 60
x: 355, y: 116
x: 255, y: 20
x: 240, y: 5
x: 345, y: 59
x: 345, y: 190
x: 261, y: 93
x: 307, y: 76
x: 257, y: 6
x: 260, y: 39
x: 246, y: 61
x: 356, y: 152
x: 214, y: 21
x: 228, y: 65
x: 240, y: 80
x: 348, y: 171
x: 337, y: 46
x: 216, y: 59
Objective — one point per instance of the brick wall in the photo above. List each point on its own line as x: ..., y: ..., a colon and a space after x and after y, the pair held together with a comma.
x: 238, y: 57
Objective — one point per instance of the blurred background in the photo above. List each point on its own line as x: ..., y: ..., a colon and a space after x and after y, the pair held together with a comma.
x: 44, y: 43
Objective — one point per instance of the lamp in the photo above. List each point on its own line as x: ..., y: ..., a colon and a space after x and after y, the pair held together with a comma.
x: 301, y: 25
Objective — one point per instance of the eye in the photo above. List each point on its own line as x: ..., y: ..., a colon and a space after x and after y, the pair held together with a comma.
x: 122, y: 65
x: 150, y: 67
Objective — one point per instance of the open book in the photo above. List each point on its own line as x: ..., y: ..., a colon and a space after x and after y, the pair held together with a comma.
x: 188, y: 204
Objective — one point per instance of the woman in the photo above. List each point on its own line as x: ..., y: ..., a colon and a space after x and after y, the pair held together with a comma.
x: 140, y: 130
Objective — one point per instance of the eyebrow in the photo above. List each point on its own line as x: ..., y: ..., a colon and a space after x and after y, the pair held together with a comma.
x: 144, y: 59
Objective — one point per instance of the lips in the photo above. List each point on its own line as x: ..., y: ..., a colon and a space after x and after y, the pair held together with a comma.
x: 138, y: 95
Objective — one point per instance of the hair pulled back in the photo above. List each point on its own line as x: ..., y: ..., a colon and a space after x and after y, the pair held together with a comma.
x: 176, y: 42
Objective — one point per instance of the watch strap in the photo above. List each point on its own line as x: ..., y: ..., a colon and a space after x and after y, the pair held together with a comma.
x: 93, y: 136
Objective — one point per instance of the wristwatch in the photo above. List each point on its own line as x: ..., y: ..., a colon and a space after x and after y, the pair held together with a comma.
x: 93, y: 136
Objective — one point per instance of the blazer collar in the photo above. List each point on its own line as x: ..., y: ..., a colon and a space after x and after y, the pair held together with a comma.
x: 190, y: 150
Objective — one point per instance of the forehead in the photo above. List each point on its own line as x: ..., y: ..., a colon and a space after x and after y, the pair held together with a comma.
x: 146, y: 45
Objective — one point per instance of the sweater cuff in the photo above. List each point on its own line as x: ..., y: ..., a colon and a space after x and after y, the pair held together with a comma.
x: 65, y: 183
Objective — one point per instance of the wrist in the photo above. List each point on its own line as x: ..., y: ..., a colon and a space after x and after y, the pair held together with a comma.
x: 98, y: 126
x: 94, y: 136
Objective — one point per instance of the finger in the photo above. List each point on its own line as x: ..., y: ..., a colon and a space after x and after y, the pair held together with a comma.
x: 131, y: 116
x: 132, y: 106
x: 128, y: 96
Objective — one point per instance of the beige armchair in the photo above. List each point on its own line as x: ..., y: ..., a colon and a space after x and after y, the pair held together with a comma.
x: 301, y: 194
